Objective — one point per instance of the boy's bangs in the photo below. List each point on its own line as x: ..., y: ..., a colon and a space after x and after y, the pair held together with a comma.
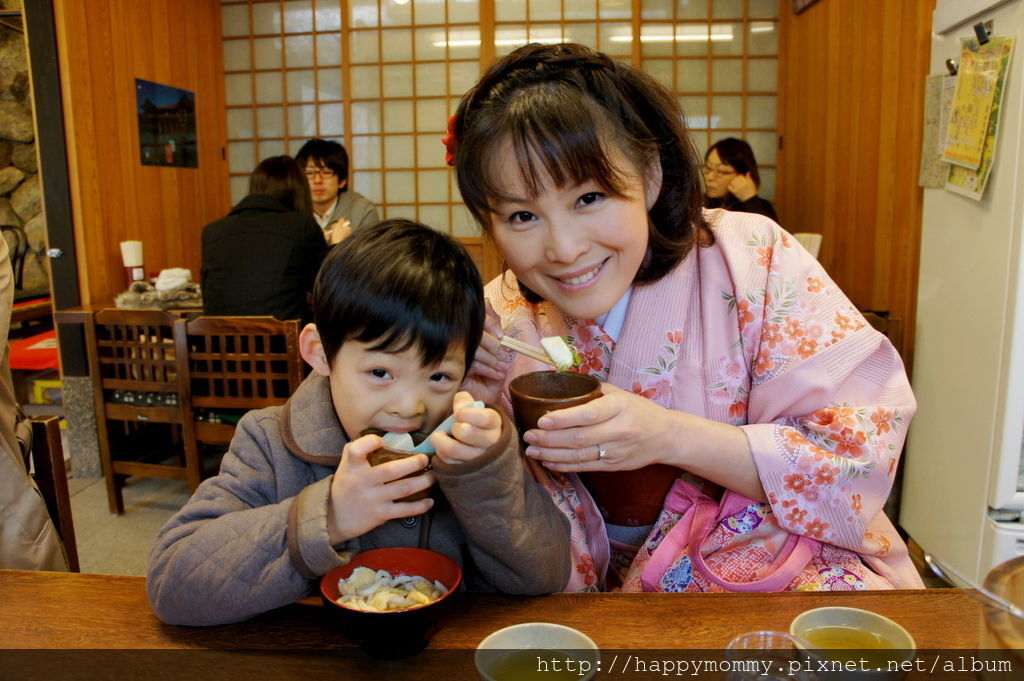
x: 554, y: 142
x: 394, y: 325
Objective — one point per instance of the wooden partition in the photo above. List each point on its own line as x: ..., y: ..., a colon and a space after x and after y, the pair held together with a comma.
x: 850, y: 98
x: 103, y: 46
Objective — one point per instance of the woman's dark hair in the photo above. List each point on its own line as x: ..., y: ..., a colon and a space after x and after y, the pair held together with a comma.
x: 326, y: 153
x: 739, y: 155
x: 280, y: 177
x: 399, y: 284
x: 562, y: 108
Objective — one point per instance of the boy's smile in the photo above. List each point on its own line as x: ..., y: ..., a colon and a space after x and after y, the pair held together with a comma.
x: 393, y: 391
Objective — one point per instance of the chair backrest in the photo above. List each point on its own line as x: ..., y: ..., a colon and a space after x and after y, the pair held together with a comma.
x: 136, y: 350
x: 47, y: 461
x: 18, y: 242
x: 242, y: 362
x: 810, y: 241
x: 892, y: 327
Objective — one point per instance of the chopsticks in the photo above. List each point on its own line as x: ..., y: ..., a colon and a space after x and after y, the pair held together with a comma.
x: 519, y: 346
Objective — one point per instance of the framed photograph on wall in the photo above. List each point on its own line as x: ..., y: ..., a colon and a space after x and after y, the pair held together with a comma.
x: 801, y: 5
x: 167, y: 125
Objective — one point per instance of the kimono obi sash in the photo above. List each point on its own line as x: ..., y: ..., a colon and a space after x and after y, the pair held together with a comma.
x: 631, y: 498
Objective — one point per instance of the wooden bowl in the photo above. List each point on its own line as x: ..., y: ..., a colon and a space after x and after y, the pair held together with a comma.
x: 538, y: 392
x: 384, y: 454
x: 1000, y: 629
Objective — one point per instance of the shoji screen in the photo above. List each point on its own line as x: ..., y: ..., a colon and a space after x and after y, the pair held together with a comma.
x: 720, y: 58
x: 382, y: 76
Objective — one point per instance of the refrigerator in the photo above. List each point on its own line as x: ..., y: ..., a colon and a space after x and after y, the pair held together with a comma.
x: 963, y: 487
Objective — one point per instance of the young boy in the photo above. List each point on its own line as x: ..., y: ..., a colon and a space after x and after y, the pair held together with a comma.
x: 398, y: 314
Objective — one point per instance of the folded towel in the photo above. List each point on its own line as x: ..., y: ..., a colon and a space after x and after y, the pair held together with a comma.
x: 173, y: 278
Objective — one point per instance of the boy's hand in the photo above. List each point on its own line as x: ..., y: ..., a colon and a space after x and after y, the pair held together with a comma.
x: 475, y: 431
x: 363, y: 496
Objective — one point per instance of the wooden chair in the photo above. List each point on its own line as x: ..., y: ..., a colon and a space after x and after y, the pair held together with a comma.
x: 18, y: 246
x: 809, y: 240
x: 892, y: 327
x: 46, y: 460
x: 240, y: 363
x: 139, y: 366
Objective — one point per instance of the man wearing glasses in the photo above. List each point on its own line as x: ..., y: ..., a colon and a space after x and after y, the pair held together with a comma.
x: 337, y: 209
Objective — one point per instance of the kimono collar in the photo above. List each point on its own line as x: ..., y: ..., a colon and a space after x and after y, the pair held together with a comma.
x: 611, y: 322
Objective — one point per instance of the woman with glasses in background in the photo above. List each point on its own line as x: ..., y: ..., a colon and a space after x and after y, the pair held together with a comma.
x: 337, y: 209
x: 732, y: 180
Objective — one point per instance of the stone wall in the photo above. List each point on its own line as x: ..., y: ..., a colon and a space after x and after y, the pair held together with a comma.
x: 20, y: 197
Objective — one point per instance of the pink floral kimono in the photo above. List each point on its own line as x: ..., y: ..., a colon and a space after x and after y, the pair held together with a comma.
x: 750, y: 331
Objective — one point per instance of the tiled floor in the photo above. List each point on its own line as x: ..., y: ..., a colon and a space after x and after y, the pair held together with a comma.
x: 119, y: 545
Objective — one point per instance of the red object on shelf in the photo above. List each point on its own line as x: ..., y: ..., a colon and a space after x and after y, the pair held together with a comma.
x: 30, y: 301
x: 35, y: 352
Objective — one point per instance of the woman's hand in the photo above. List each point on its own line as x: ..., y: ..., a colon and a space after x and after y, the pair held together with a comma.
x: 635, y: 432
x: 486, y: 375
x: 743, y: 187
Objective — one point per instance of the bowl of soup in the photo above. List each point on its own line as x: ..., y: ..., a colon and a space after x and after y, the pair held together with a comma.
x: 386, y: 624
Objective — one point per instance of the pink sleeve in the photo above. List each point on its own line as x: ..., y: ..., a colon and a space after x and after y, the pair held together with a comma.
x: 829, y: 402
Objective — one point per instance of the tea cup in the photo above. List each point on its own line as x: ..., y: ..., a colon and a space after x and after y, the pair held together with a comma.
x: 855, y: 644
x: 539, y: 392
x: 537, y: 650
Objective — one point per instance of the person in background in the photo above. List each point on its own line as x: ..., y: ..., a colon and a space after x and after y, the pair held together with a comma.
x: 732, y: 180
x: 337, y: 209
x: 28, y: 539
x: 729, y: 359
x: 262, y: 258
x: 398, y: 314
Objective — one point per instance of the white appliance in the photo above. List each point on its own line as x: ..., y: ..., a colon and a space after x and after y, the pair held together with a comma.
x: 963, y: 489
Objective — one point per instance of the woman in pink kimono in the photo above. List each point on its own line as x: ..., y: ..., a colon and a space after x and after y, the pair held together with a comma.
x: 730, y: 361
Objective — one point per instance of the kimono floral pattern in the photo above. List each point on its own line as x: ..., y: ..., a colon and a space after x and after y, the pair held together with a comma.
x: 654, y: 381
x: 755, y: 328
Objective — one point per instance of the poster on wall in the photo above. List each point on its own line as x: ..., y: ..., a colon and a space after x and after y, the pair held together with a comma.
x: 167, y: 125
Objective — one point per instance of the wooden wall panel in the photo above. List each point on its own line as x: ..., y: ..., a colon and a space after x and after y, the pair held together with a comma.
x: 104, y: 45
x: 850, y: 95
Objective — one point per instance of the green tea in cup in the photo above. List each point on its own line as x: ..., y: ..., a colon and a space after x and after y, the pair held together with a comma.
x: 534, y: 663
x: 537, y: 650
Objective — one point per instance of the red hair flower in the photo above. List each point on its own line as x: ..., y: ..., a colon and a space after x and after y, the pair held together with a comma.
x: 449, y: 142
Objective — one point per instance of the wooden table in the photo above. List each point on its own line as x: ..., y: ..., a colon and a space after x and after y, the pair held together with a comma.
x: 80, y: 611
x: 84, y: 313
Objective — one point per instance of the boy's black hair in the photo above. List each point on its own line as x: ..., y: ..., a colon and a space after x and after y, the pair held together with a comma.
x: 399, y: 284
x: 327, y: 153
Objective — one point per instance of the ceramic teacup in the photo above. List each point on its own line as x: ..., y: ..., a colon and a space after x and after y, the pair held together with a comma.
x: 882, y: 649
x: 536, y: 650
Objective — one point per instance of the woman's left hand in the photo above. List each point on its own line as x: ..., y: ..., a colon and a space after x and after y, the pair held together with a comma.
x: 743, y: 187
x: 631, y: 431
